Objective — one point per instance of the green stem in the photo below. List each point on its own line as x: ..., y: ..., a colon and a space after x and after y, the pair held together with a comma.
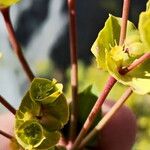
x: 15, y: 44
x: 74, y: 68
x: 7, y: 105
x: 107, y: 117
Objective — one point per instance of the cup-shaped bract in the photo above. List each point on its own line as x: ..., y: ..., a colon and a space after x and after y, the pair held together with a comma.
x: 42, y: 113
x: 113, y: 57
x: 44, y: 90
x: 30, y: 134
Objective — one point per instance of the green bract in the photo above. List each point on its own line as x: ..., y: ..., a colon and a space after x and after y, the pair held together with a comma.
x: 7, y: 3
x: 112, y: 57
x: 148, y: 5
x: 42, y: 113
x: 144, y: 23
x: 109, y: 37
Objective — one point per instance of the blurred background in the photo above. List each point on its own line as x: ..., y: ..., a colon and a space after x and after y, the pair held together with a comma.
x: 42, y: 28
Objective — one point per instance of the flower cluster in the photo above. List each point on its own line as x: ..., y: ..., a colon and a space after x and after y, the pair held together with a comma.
x: 42, y: 113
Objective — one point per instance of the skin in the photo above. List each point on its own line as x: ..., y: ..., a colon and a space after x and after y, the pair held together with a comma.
x: 6, y: 121
x: 120, y: 131
x: 118, y: 134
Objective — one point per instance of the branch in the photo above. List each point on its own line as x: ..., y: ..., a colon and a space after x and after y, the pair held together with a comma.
x: 6, y: 134
x: 74, y: 67
x: 135, y: 64
x: 125, y: 14
x: 118, y: 104
x: 7, y: 105
x: 15, y: 44
x: 107, y: 117
x: 110, y: 83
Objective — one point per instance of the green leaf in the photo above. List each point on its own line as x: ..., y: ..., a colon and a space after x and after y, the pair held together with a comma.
x: 7, y: 3
x: 56, y: 113
x: 86, y: 102
x: 109, y: 37
x: 58, y: 148
x: 28, y: 110
x: 144, y: 23
x: 44, y: 90
x: 51, y: 139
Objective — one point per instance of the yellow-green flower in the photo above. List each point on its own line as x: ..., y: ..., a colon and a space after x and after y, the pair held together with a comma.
x: 7, y: 3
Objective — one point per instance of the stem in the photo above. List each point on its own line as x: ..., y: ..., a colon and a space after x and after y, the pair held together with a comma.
x: 74, y: 67
x: 15, y: 44
x: 118, y: 104
x: 107, y: 117
x: 6, y: 134
x: 110, y: 83
x: 125, y: 14
x: 136, y: 63
x: 7, y: 105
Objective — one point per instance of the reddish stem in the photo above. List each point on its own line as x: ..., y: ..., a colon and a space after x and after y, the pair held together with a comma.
x: 135, y: 64
x: 110, y: 83
x: 125, y: 14
x: 7, y: 105
x: 107, y: 117
x: 6, y: 134
x: 15, y: 44
x: 74, y: 67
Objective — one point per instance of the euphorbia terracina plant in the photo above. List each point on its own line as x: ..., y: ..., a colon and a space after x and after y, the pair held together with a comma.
x: 44, y: 110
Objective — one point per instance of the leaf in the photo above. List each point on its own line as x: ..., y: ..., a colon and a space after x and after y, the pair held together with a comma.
x: 28, y: 110
x: 7, y: 3
x: 86, y: 102
x: 109, y: 37
x: 144, y: 22
x: 58, y: 111
x: 58, y: 147
x: 51, y: 139
x: 44, y: 90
